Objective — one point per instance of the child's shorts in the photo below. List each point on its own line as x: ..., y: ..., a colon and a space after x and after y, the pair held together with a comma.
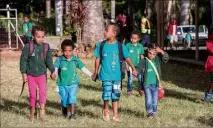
x: 111, y: 90
x: 68, y: 94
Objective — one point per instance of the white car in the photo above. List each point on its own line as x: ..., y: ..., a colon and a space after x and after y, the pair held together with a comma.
x: 182, y: 31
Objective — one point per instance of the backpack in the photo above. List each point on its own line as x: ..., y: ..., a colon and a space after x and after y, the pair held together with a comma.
x: 121, y: 59
x: 45, y: 49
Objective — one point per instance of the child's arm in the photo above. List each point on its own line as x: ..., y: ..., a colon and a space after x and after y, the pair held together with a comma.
x: 142, y: 56
x: 23, y: 62
x: 165, y: 56
x: 134, y: 71
x: 97, y: 65
x: 86, y: 71
x: 49, y: 61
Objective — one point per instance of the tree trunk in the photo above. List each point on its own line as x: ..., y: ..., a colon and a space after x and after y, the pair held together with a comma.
x: 184, y: 16
x: 149, y: 7
x: 58, y: 17
x: 48, y: 8
x: 113, y: 10
x: 67, y: 6
x: 93, y: 30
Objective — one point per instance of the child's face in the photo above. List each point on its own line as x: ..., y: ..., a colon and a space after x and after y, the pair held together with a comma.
x: 39, y: 36
x: 152, y: 53
x: 67, y: 51
x: 109, y: 32
x: 26, y: 19
x: 134, y: 38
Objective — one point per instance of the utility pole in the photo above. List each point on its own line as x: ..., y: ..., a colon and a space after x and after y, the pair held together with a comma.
x: 113, y: 10
x: 196, y: 33
x: 48, y: 8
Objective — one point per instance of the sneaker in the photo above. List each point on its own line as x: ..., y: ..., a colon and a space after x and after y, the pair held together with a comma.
x: 129, y: 93
x: 64, y: 111
x: 72, y: 117
x: 149, y: 115
x: 141, y: 92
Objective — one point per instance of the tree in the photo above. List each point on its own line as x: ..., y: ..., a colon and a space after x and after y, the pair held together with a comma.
x: 93, y: 29
x: 48, y: 8
x: 184, y: 16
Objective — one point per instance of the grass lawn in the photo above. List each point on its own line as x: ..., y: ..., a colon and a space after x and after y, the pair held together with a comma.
x: 181, y: 107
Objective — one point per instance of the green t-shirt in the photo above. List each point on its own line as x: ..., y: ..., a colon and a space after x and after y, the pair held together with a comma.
x: 151, y: 77
x: 135, y: 52
x: 67, y: 70
x: 26, y: 26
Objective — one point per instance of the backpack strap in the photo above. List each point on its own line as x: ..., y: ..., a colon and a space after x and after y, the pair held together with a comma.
x: 101, y: 49
x: 31, y: 47
x: 45, y: 50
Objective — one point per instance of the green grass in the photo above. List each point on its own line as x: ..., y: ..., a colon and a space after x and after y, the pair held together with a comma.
x: 180, y: 108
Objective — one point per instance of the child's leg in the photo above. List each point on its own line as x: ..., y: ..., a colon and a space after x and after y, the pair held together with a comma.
x: 42, y: 85
x: 64, y: 96
x: 106, y: 96
x: 72, y: 99
x: 154, y: 90
x: 189, y: 43
x: 115, y: 108
x: 148, y: 99
x: 129, y: 84
x: 115, y: 98
x: 106, y: 108
x: 32, y: 92
x: 209, y: 91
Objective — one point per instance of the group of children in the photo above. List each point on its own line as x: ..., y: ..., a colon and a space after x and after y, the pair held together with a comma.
x: 140, y: 64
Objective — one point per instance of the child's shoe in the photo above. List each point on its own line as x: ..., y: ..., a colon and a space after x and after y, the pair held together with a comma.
x: 72, y: 117
x: 149, y: 115
x: 129, y: 93
x: 116, y: 119
x: 208, y: 97
x: 106, y: 115
x: 64, y: 111
x: 141, y: 92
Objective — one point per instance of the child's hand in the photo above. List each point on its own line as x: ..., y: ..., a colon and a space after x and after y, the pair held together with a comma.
x: 159, y: 50
x: 24, y: 77
x: 135, y: 73
x: 53, y: 76
x: 94, y: 76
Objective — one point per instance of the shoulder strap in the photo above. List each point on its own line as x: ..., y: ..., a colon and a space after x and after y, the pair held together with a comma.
x: 45, y: 49
x: 101, y: 48
x: 60, y: 60
x: 31, y: 47
x: 154, y: 70
x: 120, y: 48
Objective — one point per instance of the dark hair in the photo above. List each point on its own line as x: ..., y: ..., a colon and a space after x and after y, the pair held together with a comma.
x: 66, y: 43
x: 145, y: 14
x: 135, y: 32
x: 116, y: 28
x: 152, y: 46
x: 25, y: 15
x: 38, y: 28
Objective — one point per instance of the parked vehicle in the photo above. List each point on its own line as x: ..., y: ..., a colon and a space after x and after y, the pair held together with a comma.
x: 182, y: 31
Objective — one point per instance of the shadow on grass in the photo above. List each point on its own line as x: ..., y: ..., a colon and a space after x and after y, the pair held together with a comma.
x: 12, y: 106
x: 126, y: 111
x: 90, y: 87
x: 181, y: 96
x: 206, y: 120
x: 185, y: 75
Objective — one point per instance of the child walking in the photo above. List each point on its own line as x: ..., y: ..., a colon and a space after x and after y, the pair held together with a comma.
x: 34, y: 62
x: 150, y: 81
x: 27, y: 29
x: 188, y: 39
x: 136, y: 52
x: 209, y: 68
x: 110, y: 72
x: 68, y: 79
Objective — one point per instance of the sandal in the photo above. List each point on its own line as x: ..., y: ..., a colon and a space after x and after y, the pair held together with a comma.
x: 106, y: 118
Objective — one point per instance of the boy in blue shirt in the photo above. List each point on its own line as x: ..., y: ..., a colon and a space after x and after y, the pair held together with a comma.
x: 136, y: 51
x: 27, y: 29
x: 188, y: 39
x: 110, y: 72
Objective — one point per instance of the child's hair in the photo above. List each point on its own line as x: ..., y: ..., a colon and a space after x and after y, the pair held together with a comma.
x: 116, y: 28
x: 37, y: 28
x: 27, y: 16
x: 66, y: 43
x: 135, y: 32
x: 152, y: 46
x: 145, y: 14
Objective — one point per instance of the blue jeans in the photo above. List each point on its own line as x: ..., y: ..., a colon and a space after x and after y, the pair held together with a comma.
x: 130, y: 79
x: 145, y: 40
x: 151, y: 98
